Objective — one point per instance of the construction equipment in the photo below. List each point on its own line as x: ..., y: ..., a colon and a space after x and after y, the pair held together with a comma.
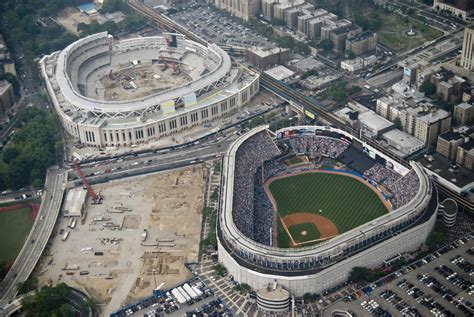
x: 96, y: 198
x: 176, y: 69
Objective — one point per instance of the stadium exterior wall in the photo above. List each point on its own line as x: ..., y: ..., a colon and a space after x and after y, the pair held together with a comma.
x: 335, y: 274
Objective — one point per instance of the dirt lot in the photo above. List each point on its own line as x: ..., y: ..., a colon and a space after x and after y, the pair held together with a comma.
x: 71, y: 17
x: 149, y: 79
x: 166, y: 205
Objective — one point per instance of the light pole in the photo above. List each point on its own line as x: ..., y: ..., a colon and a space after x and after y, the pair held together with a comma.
x: 154, y: 278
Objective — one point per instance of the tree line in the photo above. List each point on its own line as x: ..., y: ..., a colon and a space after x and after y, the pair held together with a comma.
x: 33, y: 147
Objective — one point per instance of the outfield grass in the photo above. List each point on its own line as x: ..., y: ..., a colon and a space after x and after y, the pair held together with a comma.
x: 344, y: 200
x: 14, y: 229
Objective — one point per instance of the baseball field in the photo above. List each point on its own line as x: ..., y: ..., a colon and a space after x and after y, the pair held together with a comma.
x: 315, y: 206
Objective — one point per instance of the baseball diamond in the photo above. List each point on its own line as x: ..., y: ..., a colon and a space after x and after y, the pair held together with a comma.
x: 344, y: 201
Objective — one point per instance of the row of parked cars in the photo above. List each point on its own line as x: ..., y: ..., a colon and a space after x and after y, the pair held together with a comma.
x: 399, y: 303
x: 374, y: 308
x: 212, y: 309
x: 424, y: 299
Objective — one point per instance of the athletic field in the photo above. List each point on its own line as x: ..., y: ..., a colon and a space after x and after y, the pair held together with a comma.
x: 313, y: 207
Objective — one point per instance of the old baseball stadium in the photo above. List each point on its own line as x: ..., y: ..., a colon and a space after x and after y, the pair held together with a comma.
x: 111, y: 92
x: 304, y: 205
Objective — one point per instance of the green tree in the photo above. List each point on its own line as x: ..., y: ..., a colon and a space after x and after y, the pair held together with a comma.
x: 27, y: 286
x: 114, y: 5
x: 48, y: 301
x: 32, y: 149
x: 326, y: 45
x: 220, y: 270
x: 397, y: 122
x: 428, y: 88
x: 359, y: 274
x: 9, y: 154
x: 243, y: 288
x: 12, y: 80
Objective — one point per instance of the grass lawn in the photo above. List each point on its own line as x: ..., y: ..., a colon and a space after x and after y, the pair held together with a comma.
x: 344, y: 200
x: 14, y: 229
x: 392, y: 33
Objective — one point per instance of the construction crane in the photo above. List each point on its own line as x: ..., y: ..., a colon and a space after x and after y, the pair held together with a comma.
x: 96, y: 198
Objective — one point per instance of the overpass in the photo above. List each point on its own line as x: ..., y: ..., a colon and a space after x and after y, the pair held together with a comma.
x: 31, y: 251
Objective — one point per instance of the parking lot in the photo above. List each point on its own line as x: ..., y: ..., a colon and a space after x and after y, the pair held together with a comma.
x: 218, y: 28
x: 201, y: 301
x: 439, y: 284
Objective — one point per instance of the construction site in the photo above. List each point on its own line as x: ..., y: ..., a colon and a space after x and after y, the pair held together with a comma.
x: 139, y: 81
x: 132, y: 235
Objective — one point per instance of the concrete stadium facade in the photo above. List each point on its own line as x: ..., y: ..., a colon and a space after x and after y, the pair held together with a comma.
x: 217, y: 91
x: 313, y: 269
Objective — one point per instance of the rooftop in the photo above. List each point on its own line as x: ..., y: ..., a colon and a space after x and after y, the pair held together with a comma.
x: 450, y: 136
x: 464, y: 105
x: 4, y: 85
x: 469, y: 146
x: 75, y: 198
x: 280, y: 72
x: 362, y: 36
x: 442, y: 167
x: 273, y: 292
x: 402, y: 141
x: 434, y: 116
x: 373, y: 121
x: 264, y: 52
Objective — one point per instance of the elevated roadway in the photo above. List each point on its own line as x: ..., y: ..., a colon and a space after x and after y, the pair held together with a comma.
x: 39, y: 235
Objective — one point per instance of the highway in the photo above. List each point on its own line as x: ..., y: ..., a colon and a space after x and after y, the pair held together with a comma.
x: 38, y: 237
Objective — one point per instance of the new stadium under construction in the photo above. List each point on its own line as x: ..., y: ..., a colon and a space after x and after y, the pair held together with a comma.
x: 111, y: 92
x: 304, y: 205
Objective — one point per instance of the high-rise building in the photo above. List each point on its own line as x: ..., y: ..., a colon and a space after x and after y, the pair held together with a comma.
x: 422, y: 120
x: 465, y: 155
x: 463, y: 114
x: 448, y: 143
x: 244, y: 9
x: 467, y: 53
x: 362, y: 43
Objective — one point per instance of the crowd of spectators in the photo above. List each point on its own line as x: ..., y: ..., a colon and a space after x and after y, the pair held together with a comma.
x: 263, y: 212
x: 251, y: 154
x: 382, y: 175
x: 318, y: 145
x: 405, y: 189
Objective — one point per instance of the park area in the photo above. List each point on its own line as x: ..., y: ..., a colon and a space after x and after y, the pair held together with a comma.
x: 394, y: 32
x: 316, y: 206
x: 16, y: 220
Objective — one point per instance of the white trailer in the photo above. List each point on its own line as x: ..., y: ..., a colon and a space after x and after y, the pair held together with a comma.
x: 190, y: 291
x: 178, y: 296
x: 185, y: 295
x: 65, y: 235
x: 197, y: 290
